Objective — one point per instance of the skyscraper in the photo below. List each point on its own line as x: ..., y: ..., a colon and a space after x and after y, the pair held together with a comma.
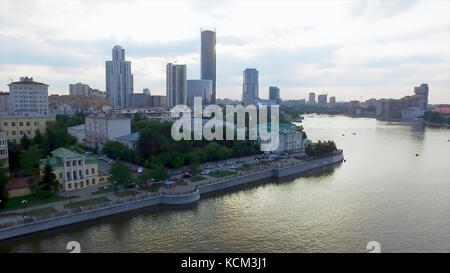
x: 421, y: 94
x: 199, y: 88
x: 274, y: 93
x: 176, y: 85
x: 322, y: 99
x: 250, y: 86
x: 312, y: 98
x: 208, y: 59
x: 119, y: 80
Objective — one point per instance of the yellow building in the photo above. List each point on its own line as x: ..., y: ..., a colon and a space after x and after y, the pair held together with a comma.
x: 16, y: 126
x: 73, y: 170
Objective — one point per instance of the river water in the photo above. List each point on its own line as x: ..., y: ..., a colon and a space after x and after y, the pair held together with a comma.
x: 383, y: 192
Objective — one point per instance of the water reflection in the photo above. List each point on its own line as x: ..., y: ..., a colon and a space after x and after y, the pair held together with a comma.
x: 383, y: 192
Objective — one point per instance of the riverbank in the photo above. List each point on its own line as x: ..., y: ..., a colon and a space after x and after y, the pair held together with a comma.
x: 45, y: 222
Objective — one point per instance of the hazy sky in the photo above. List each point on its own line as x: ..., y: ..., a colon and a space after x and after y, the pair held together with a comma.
x: 350, y: 49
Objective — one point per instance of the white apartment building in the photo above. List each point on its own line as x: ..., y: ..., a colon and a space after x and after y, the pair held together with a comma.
x: 119, y: 80
x: 176, y: 84
x: 78, y: 89
x: 103, y: 127
x: 28, y: 96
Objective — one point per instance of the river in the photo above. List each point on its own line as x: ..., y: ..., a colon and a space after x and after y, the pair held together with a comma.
x: 383, y: 192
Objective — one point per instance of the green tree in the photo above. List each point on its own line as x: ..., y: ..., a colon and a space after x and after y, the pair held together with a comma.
x: 159, y: 172
x: 29, y: 160
x: 49, y: 182
x: 3, y: 185
x: 120, y: 174
x: 25, y: 142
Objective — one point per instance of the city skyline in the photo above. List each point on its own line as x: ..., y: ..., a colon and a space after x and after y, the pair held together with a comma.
x: 298, y: 52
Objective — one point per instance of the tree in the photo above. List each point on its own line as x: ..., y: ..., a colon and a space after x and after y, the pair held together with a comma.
x: 25, y: 142
x: 120, y: 174
x: 159, y: 172
x: 3, y: 185
x: 49, y: 183
x: 29, y: 160
x: 117, y: 150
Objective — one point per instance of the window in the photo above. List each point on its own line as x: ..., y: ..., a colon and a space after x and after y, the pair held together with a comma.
x: 74, y: 163
x: 93, y: 171
x: 87, y: 182
x: 81, y: 184
x: 93, y: 181
x: 28, y: 123
x: 79, y: 162
x: 74, y: 175
x: 67, y: 164
x: 69, y: 186
x: 13, y: 124
x: 29, y: 132
x: 20, y: 123
x: 21, y: 132
x: 13, y: 133
x: 5, y: 124
x: 87, y: 171
x: 81, y: 173
x: 68, y: 175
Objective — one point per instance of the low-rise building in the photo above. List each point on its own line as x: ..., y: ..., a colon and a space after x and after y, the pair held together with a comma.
x: 73, y: 170
x: 290, y: 138
x: 102, y: 127
x: 79, y: 132
x: 16, y: 126
x: 130, y: 140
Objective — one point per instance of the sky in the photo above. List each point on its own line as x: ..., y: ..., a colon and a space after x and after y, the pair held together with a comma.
x: 348, y: 49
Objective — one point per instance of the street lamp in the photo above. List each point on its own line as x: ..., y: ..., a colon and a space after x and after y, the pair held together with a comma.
x: 106, y: 190
x: 70, y: 195
x: 24, y: 202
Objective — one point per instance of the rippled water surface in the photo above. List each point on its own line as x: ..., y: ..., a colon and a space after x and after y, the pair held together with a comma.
x: 383, y: 192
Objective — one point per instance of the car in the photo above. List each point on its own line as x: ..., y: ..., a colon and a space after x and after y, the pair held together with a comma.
x: 140, y: 169
x: 110, y: 161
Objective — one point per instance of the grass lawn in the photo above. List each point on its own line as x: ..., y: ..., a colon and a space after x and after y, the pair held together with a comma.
x: 153, y: 187
x: 102, y: 190
x: 197, y: 178
x: 245, y: 168
x: 219, y: 174
x: 16, y: 202
x: 124, y: 193
x: 40, y: 212
x: 87, y: 202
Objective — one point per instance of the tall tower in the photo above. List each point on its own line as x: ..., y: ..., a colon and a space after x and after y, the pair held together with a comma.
x: 250, y: 86
x: 176, y: 84
x: 208, y: 59
x: 119, y: 80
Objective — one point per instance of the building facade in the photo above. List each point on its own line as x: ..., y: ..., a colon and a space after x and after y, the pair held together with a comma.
x: 199, y: 88
x: 102, y: 127
x: 208, y: 60
x: 250, y: 86
x: 322, y: 99
x: 4, y: 150
x: 176, y: 84
x: 79, y: 132
x: 119, y: 80
x: 81, y: 89
x: 312, y: 98
x: 130, y: 140
x: 28, y: 96
x: 4, y: 102
x: 16, y: 126
x: 73, y: 170
x: 274, y: 94
x: 332, y: 101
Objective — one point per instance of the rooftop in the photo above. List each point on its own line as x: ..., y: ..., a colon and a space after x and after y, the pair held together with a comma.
x: 134, y: 137
x: 28, y: 80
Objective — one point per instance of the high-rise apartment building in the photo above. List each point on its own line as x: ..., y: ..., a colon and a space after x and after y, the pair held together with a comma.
x: 176, y: 84
x: 208, y: 60
x: 274, y: 94
x: 119, y: 80
x: 322, y: 99
x: 28, y: 96
x: 250, y: 86
x: 332, y: 101
x: 312, y: 98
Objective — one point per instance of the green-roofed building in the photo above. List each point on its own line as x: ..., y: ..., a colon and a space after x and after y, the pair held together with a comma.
x: 74, y: 170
